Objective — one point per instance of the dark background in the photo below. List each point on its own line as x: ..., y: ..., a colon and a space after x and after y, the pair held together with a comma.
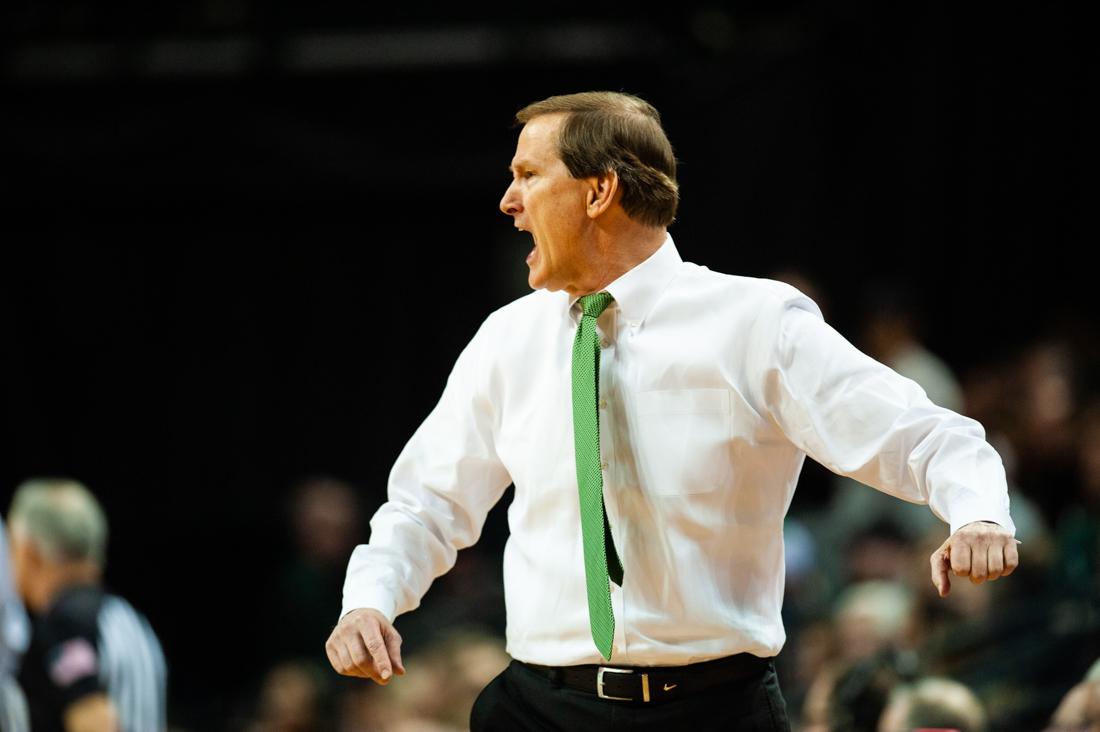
x: 244, y: 242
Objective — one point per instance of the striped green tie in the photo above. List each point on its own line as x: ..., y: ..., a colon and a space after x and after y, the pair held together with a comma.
x: 595, y: 532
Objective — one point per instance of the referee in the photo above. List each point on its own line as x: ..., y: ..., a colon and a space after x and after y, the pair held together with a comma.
x: 93, y: 662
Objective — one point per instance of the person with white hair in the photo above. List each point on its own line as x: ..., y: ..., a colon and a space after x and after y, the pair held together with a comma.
x: 94, y: 663
x: 1079, y: 710
x: 933, y: 703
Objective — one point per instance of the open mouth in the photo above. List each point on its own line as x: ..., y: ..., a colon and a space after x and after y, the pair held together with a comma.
x: 534, y: 247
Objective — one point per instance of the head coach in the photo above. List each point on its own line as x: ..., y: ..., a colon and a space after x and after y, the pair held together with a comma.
x: 653, y: 416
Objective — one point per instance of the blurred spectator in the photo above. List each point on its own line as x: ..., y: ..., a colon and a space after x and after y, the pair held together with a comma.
x: 1079, y: 711
x: 450, y: 674
x: 874, y: 626
x: 304, y: 600
x: 891, y: 334
x: 1012, y: 645
x: 14, y: 636
x: 986, y: 390
x: 293, y: 698
x: 881, y: 551
x: 806, y: 596
x: 851, y: 697
x: 459, y: 666
x: 1042, y: 403
x: 933, y: 703
x: 93, y: 661
x: 874, y: 617
x: 1078, y: 531
x: 1019, y: 673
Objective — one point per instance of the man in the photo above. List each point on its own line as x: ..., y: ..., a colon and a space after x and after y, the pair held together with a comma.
x: 933, y: 703
x: 654, y: 430
x: 93, y: 664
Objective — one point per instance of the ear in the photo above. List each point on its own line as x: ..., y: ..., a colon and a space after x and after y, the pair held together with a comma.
x: 602, y: 193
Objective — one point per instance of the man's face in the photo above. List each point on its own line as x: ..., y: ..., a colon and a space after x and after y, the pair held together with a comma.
x: 24, y: 559
x: 546, y: 201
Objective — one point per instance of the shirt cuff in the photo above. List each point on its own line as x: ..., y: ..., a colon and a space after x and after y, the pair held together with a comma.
x: 379, y: 601
x: 961, y: 516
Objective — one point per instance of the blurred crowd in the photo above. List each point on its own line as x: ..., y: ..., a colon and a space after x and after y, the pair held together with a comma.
x: 871, y: 646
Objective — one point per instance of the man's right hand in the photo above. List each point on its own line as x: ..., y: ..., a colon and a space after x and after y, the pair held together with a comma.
x: 365, y: 644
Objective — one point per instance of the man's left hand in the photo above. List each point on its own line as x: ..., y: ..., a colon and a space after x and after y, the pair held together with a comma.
x: 981, y: 551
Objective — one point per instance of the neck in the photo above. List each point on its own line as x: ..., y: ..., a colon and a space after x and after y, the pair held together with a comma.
x: 51, y: 581
x: 616, y: 253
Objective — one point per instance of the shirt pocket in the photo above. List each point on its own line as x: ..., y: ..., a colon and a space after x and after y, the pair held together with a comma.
x: 682, y: 440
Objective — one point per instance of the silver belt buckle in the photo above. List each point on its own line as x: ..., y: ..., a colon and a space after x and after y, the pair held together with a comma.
x: 599, y: 683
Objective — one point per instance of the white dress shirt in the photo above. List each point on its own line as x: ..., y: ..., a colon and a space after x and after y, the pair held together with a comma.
x: 713, y: 389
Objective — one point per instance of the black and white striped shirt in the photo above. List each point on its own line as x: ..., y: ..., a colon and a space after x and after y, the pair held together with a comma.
x: 90, y: 642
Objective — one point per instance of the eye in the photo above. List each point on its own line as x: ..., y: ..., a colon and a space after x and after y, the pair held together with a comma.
x: 528, y: 173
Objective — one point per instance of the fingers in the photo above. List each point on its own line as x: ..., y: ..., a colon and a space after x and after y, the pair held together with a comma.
x: 1003, y: 559
x: 339, y: 655
x: 365, y: 644
x: 379, y: 656
x: 357, y: 661
x: 995, y: 562
x: 1012, y: 558
x: 941, y: 561
x: 960, y: 558
x: 393, y: 647
x: 979, y: 563
x: 981, y: 551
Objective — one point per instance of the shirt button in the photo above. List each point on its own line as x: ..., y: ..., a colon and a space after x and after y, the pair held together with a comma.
x: 603, y: 404
x: 604, y: 343
x: 604, y: 465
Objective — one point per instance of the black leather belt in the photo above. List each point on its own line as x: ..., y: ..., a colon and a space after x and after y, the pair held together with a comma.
x: 652, y: 684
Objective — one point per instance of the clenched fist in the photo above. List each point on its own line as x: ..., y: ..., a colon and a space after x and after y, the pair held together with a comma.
x: 365, y: 644
x: 981, y: 551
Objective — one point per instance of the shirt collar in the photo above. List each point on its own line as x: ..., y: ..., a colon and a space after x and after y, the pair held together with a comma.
x: 637, y: 290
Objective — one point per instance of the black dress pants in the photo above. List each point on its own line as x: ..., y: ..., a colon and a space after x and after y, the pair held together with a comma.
x: 523, y: 700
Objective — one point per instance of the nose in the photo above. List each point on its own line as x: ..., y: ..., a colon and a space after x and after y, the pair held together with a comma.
x: 510, y: 204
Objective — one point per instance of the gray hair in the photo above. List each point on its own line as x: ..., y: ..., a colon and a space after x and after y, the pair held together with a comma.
x: 887, y: 607
x: 943, y: 703
x: 63, y: 519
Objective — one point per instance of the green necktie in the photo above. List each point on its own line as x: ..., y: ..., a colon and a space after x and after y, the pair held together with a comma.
x: 595, y: 532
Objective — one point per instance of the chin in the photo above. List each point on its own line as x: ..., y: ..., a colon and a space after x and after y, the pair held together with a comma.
x: 535, y: 280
